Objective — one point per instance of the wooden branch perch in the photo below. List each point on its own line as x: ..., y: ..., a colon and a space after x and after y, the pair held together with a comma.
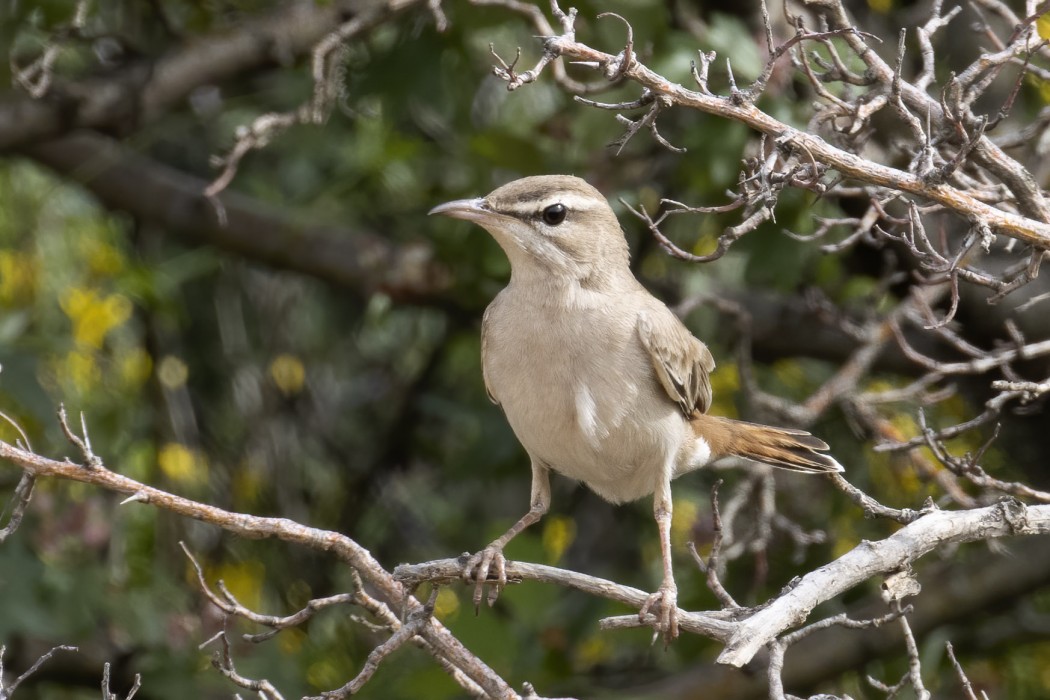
x: 143, y: 91
x: 442, y: 643
x: 361, y: 261
x: 1029, y: 230
x: 869, y: 559
x: 742, y: 637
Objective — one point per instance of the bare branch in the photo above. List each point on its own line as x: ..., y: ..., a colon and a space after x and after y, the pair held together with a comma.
x: 91, y: 460
x: 449, y: 652
x: 933, y: 529
x: 108, y: 694
x: 9, y: 691
x: 37, y: 76
x: 710, y: 566
x: 16, y: 509
x: 329, y: 55
x: 777, y: 648
x: 232, y: 607
x: 963, y: 679
x: 914, y: 664
x: 447, y: 571
x: 1034, y: 231
x: 102, y: 101
x: 416, y: 622
x: 223, y: 661
x: 647, y: 121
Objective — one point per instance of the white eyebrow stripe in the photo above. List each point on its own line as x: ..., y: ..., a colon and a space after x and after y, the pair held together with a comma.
x: 571, y: 200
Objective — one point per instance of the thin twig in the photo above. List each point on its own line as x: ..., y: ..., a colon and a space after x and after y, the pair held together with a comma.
x: 9, y: 691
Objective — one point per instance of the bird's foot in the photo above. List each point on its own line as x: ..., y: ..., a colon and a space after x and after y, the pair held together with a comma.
x: 478, y: 568
x: 663, y: 605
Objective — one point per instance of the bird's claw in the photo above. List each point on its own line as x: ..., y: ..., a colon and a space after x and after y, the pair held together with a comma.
x: 663, y: 605
x: 478, y: 568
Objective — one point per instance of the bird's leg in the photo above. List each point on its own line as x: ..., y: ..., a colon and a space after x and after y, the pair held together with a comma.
x: 663, y: 604
x: 491, y: 558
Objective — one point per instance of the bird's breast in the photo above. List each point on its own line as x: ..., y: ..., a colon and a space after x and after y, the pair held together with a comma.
x: 580, y: 394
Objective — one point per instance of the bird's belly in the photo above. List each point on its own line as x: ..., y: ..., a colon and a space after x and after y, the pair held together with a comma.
x: 605, y: 428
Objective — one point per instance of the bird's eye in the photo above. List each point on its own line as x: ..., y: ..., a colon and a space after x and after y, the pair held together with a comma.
x: 554, y: 214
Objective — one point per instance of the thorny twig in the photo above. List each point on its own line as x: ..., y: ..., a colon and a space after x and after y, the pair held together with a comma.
x: 416, y: 621
x: 328, y: 71
x: 82, y: 442
x: 222, y: 660
x: 36, y: 77
x: 232, y: 607
x: 958, y: 169
x: 108, y: 694
x: 710, y: 566
x: 963, y: 678
x: 19, y: 502
x: 913, y: 677
x: 969, y: 466
x: 778, y: 647
x: 8, y: 691
x: 390, y: 622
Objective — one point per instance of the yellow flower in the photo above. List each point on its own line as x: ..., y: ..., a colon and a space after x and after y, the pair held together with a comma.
x: 81, y: 370
x: 182, y: 465
x: 1042, y: 86
x: 683, y: 517
x: 790, y: 372
x: 558, y: 534
x: 324, y: 674
x: 447, y: 604
x: 844, y: 543
x: 93, y: 315
x: 103, y: 259
x: 288, y: 374
x: 594, y: 650
x: 135, y: 367
x: 725, y: 385
x: 291, y: 641
x: 244, y: 580
x: 248, y: 482
x: 17, y: 276
x: 1042, y: 25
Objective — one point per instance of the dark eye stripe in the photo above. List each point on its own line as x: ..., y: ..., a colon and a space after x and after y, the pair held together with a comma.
x: 531, y: 207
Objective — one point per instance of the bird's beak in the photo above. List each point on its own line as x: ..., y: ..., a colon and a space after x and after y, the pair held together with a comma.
x: 467, y: 209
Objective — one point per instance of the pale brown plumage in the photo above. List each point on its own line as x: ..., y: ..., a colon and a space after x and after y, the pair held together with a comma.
x: 682, y: 363
x: 598, y: 379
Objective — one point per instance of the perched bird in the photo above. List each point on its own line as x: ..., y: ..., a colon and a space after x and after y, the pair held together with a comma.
x: 599, y: 380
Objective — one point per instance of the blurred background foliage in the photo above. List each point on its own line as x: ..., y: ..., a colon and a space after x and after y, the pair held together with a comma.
x: 267, y: 391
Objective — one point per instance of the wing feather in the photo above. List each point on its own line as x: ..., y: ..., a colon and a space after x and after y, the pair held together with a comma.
x: 484, y: 349
x: 682, y: 363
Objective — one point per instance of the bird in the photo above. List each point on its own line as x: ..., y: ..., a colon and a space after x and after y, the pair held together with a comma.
x: 599, y: 380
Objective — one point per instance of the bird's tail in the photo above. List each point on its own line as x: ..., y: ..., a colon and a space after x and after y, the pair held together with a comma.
x: 796, y: 450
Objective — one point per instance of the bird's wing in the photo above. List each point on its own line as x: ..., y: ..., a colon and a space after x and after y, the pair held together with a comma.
x: 484, y: 348
x: 682, y: 363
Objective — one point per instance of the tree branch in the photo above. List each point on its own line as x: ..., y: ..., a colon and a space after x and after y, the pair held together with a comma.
x: 1033, y: 231
x: 441, y: 571
x: 439, y: 640
x: 993, y: 581
x: 154, y: 192
x: 142, y: 91
x: 868, y: 559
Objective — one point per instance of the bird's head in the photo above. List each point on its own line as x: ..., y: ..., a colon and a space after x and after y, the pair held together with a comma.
x: 552, y: 227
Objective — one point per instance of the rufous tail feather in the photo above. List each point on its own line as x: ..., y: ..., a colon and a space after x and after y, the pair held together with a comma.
x: 786, y: 448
